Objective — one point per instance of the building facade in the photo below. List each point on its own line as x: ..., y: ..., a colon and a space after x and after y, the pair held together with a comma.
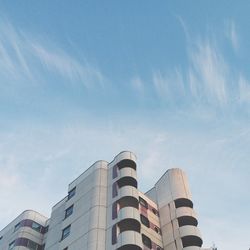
x: 104, y: 210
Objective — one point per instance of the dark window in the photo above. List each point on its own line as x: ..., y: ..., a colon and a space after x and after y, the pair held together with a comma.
x: 68, y: 211
x: 146, y: 241
x: 143, y: 202
x: 155, y: 211
x: 183, y: 202
x: 32, y: 245
x: 128, y: 201
x: 127, y: 181
x: 11, y: 245
x: 114, y: 234
x: 36, y: 226
x: 191, y: 240
x: 114, y: 190
x: 66, y: 232
x: 144, y: 220
x: 17, y: 226
x: 126, y: 164
x: 129, y: 225
x: 24, y: 242
x: 115, y: 172
x: 45, y: 229
x: 187, y: 220
x: 66, y: 248
x: 114, y: 210
x: 71, y: 193
x: 157, y: 229
x: 1, y: 237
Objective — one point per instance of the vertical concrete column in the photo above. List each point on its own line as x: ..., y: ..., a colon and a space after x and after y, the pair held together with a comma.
x: 177, y: 218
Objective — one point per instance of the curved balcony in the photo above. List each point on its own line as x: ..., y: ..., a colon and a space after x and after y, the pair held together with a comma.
x: 126, y: 163
x: 187, y: 220
x: 129, y: 240
x: 128, y: 201
x: 191, y: 241
x: 129, y: 224
x: 125, y: 155
x: 127, y: 181
x: 185, y: 211
x: 128, y: 191
x: 189, y: 230
x: 126, y: 171
x: 192, y: 248
x: 129, y: 213
x: 183, y: 202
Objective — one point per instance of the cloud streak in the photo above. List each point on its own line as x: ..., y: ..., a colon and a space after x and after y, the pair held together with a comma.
x: 207, y: 79
x: 23, y: 57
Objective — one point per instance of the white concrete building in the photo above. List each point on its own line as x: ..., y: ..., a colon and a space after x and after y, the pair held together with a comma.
x: 104, y: 210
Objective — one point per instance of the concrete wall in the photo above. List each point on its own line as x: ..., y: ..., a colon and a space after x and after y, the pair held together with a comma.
x: 88, y: 220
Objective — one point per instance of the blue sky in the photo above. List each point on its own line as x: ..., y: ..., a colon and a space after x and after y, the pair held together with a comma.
x: 169, y: 80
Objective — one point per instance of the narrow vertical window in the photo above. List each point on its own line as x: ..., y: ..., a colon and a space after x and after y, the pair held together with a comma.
x: 36, y: 226
x: 114, y: 190
x: 69, y: 211
x: 146, y: 241
x: 143, y: 203
x: 11, y: 245
x: 115, y: 171
x: 17, y: 226
x: 66, y: 232
x: 71, y: 193
x: 114, y: 210
x: 114, y: 234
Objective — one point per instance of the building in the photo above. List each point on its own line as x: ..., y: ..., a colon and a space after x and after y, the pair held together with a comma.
x: 104, y: 210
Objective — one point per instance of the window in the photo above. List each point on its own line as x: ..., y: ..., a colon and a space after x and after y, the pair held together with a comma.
x: 32, y: 245
x: 68, y: 211
x: 183, y: 202
x: 71, y: 193
x: 66, y: 248
x: 191, y: 240
x: 144, y: 220
x: 157, y: 230
x: 155, y: 211
x: 17, y: 226
x: 45, y: 229
x: 187, y: 220
x: 129, y: 225
x: 146, y: 241
x: 36, y: 226
x: 126, y: 164
x: 66, y: 232
x: 143, y: 202
x: 114, y: 190
x: 127, y: 181
x: 11, y: 245
x: 115, y: 172
x: 1, y: 237
x: 114, y: 234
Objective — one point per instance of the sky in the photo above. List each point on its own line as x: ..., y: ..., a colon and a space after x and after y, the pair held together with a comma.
x: 169, y: 80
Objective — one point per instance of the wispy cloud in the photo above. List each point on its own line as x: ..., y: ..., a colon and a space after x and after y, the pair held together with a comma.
x: 244, y: 90
x: 208, y: 71
x: 62, y: 63
x: 169, y: 85
x: 208, y: 77
x: 232, y: 34
x: 22, y: 57
x: 138, y: 85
